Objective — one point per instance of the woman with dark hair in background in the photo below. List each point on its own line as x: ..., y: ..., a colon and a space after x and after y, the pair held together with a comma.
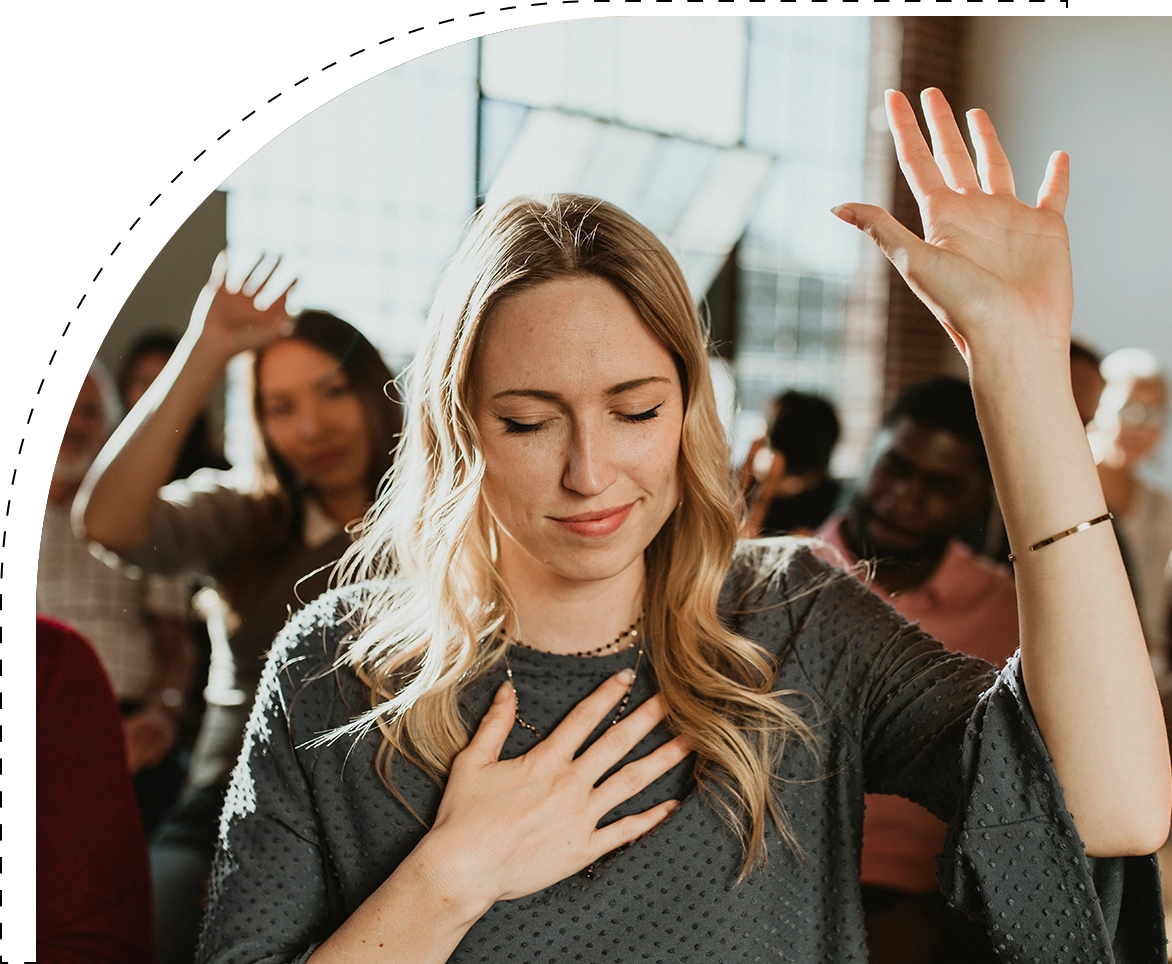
x: 325, y: 432
x: 797, y: 494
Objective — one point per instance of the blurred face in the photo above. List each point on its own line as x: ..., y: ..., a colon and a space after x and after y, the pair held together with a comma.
x: 923, y: 484
x: 85, y: 433
x: 579, y: 408
x: 1138, y: 424
x: 312, y: 416
x: 142, y: 373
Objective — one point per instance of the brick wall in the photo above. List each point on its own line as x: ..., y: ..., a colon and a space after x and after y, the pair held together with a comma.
x: 917, y: 347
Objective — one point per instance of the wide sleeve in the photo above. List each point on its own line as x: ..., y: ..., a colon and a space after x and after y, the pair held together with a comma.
x: 272, y: 897
x: 895, y: 698
x: 953, y: 734
x: 197, y: 527
x: 1014, y: 858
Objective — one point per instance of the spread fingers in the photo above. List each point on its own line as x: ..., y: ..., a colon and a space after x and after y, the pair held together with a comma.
x: 629, y: 829
x: 639, y: 774
x: 569, y: 735
x: 915, y: 159
x: 948, y: 147
x: 992, y: 164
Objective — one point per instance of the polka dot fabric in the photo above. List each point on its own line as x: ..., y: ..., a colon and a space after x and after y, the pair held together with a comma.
x: 309, y: 833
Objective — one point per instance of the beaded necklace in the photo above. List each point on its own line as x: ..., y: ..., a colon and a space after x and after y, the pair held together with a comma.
x: 624, y: 640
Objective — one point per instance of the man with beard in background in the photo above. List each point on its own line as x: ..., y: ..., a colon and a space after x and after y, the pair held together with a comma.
x: 926, y: 480
x: 137, y: 626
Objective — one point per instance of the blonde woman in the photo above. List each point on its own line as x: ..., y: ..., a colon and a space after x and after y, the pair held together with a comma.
x: 557, y: 715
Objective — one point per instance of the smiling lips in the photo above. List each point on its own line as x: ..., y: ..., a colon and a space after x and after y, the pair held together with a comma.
x: 596, y: 524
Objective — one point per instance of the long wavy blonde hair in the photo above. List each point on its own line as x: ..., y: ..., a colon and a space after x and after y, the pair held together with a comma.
x: 432, y: 597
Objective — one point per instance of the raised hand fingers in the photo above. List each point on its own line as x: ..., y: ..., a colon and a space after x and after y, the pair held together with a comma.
x: 278, y: 306
x: 948, y: 147
x: 251, y: 272
x: 894, y: 240
x: 219, y: 271
x: 1055, y: 189
x: 259, y: 287
x: 992, y: 164
x: 915, y: 159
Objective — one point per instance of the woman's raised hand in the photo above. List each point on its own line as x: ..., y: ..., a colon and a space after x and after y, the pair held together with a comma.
x: 232, y: 321
x: 512, y: 827
x: 994, y: 270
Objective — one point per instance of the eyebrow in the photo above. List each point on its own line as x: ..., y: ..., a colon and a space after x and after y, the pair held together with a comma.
x: 618, y: 389
x: 316, y: 383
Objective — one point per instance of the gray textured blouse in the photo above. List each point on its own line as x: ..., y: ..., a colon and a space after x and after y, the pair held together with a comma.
x: 308, y: 834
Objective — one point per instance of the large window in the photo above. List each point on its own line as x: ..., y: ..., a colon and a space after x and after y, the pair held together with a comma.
x: 729, y: 137
x: 366, y: 196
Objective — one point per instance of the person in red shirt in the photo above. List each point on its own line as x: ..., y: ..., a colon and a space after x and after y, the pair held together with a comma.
x: 93, y: 879
x: 928, y: 477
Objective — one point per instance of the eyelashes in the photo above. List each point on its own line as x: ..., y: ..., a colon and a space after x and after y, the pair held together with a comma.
x: 523, y: 428
x: 646, y: 416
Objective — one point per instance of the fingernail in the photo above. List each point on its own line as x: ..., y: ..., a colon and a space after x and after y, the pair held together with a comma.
x: 505, y: 691
x: 627, y: 675
x: 673, y: 806
x: 843, y: 213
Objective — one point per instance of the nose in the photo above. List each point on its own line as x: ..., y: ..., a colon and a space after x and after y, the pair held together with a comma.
x: 309, y: 422
x: 905, y: 496
x: 590, y: 465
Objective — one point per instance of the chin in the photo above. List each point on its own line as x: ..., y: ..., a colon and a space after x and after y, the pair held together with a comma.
x: 591, y: 566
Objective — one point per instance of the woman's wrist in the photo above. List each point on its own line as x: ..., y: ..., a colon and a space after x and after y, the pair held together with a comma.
x: 1017, y: 357
x: 444, y: 883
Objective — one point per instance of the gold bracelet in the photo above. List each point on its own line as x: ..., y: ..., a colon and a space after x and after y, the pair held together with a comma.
x: 1081, y: 527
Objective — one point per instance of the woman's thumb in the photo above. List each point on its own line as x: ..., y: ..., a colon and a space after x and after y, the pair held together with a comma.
x: 893, y: 239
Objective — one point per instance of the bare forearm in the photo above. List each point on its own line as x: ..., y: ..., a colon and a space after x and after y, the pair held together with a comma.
x: 418, y: 916
x: 1083, y: 655
x: 116, y: 500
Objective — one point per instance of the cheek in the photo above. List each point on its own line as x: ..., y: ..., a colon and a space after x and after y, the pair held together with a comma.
x: 278, y: 433
x: 283, y: 444
x: 518, y: 474
x: 1136, y: 439
x: 654, y: 461
x: 877, y: 489
x: 356, y: 424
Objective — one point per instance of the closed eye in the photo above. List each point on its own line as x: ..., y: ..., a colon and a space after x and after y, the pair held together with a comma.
x: 513, y: 427
x: 643, y: 416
